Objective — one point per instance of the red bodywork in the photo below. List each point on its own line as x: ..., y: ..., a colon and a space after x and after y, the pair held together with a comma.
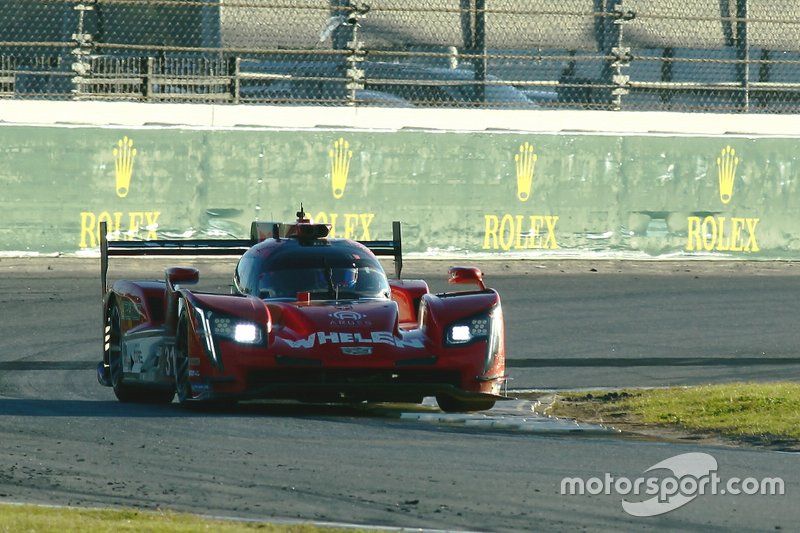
x: 402, y: 347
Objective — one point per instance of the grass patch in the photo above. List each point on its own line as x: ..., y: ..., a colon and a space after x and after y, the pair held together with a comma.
x: 39, y: 519
x: 741, y: 410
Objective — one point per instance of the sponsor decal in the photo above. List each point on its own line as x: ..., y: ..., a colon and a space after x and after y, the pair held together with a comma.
x: 726, y: 170
x: 343, y: 225
x: 130, y: 311
x: 126, y: 225
x: 124, y: 155
x: 347, y: 315
x: 347, y: 225
x: 374, y: 337
x: 723, y: 233
x: 349, y: 319
x: 340, y: 156
x: 526, y: 163
x: 521, y: 231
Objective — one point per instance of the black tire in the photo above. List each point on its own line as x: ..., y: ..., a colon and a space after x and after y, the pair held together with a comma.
x: 183, y: 388
x: 180, y: 362
x: 123, y: 391
x: 448, y: 404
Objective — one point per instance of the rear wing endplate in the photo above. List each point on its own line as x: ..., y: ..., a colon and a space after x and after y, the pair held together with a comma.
x: 393, y: 248
x: 222, y: 247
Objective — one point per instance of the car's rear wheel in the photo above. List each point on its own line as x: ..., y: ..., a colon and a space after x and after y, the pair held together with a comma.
x: 448, y: 404
x: 126, y: 392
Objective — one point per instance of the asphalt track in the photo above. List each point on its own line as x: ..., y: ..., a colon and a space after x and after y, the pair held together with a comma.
x: 65, y: 440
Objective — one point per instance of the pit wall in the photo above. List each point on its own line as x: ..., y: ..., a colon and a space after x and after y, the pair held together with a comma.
x: 492, y: 186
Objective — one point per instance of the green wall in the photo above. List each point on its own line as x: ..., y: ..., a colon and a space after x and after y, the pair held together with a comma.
x: 654, y: 195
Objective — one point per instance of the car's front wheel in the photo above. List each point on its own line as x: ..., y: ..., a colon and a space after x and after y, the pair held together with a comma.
x: 183, y: 387
x: 180, y: 364
x: 448, y: 404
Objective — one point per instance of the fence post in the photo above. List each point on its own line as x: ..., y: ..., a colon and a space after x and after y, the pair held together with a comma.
x: 234, y: 70
x: 467, y: 37
x: 480, y: 48
x: 665, y: 95
x: 355, y: 51
x: 148, y: 78
x: 620, y: 55
x: 743, y: 54
x: 84, y: 45
x: 473, y: 37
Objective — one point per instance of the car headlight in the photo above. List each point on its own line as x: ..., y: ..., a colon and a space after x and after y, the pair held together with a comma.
x: 212, y: 326
x: 240, y: 331
x: 468, y: 330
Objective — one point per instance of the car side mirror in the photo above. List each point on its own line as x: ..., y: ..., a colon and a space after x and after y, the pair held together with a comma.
x: 461, y: 275
x: 182, y: 276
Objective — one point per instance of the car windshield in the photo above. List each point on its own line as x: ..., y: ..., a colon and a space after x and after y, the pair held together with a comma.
x: 325, y: 283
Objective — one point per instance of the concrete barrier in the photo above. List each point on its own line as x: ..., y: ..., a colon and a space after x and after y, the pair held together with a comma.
x: 539, y: 191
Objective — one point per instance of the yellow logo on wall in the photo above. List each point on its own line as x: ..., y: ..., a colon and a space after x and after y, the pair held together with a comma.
x: 508, y: 231
x: 124, y: 154
x: 729, y: 233
x: 726, y: 168
x: 340, y: 156
x: 128, y: 225
x: 526, y: 163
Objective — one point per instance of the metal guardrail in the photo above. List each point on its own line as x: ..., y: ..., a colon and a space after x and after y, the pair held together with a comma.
x: 727, y: 55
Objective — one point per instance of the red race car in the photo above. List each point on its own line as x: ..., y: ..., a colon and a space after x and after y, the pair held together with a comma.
x: 310, y: 318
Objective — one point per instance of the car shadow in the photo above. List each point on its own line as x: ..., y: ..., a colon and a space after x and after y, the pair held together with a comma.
x: 115, y: 409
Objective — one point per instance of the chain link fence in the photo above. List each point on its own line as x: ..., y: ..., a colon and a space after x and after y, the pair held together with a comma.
x: 698, y: 55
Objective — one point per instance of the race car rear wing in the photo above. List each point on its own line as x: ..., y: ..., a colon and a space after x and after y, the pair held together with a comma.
x: 393, y: 248
x: 224, y: 247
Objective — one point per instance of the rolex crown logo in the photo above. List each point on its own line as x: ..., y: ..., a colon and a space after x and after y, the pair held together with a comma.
x: 726, y: 167
x: 340, y: 156
x: 124, y: 154
x: 526, y: 162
